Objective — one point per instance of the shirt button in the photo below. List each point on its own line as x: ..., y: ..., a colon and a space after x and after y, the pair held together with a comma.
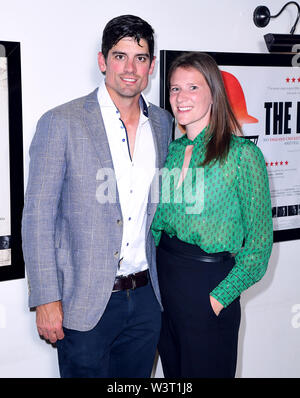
x: 129, y: 218
x: 119, y: 222
x: 123, y: 139
x: 116, y: 254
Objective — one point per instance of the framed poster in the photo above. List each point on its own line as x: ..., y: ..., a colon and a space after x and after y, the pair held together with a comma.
x: 264, y: 92
x: 11, y: 162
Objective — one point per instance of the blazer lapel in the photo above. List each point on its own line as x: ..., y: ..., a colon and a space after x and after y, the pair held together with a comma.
x: 96, y: 129
x: 156, y: 131
x: 153, y: 197
x: 95, y: 126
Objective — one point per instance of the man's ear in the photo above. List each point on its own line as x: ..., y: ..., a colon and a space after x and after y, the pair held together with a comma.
x: 101, y: 62
x: 152, y: 66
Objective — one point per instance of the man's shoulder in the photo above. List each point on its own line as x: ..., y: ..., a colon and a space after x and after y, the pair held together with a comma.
x: 156, y: 110
x: 72, y: 107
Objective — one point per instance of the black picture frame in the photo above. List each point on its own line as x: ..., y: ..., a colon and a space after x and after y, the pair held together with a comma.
x: 232, y: 59
x: 12, y: 51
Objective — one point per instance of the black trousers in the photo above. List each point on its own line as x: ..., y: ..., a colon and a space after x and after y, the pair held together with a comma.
x: 194, y: 341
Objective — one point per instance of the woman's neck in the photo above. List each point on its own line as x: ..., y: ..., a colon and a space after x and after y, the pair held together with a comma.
x: 192, y: 133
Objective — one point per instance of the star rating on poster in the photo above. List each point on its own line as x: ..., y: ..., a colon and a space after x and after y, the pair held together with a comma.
x: 292, y: 79
x: 277, y: 163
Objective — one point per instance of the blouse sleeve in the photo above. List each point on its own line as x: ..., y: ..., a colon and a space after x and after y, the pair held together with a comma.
x: 255, y: 203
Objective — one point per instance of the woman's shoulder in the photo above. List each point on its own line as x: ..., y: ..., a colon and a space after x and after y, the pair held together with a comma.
x: 245, y: 147
x: 243, y: 142
x: 240, y: 140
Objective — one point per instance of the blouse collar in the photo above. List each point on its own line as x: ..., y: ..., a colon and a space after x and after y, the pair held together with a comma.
x: 197, y: 140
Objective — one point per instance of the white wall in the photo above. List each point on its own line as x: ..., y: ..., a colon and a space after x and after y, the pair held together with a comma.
x: 59, y: 44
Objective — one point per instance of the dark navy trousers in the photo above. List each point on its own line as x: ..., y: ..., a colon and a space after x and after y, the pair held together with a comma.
x: 194, y: 341
x: 122, y: 344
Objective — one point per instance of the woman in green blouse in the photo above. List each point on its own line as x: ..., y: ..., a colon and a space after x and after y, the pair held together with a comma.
x: 213, y: 225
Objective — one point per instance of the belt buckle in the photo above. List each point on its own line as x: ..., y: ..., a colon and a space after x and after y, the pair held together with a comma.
x: 133, y: 282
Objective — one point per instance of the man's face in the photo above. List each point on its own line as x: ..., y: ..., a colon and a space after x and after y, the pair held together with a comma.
x: 127, y: 68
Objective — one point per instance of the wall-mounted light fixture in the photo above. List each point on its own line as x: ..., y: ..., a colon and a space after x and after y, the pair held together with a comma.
x: 277, y: 42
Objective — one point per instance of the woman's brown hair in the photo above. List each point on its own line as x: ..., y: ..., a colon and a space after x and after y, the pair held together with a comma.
x: 222, y: 120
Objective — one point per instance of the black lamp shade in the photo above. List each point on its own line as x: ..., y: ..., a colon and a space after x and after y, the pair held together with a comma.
x: 261, y: 16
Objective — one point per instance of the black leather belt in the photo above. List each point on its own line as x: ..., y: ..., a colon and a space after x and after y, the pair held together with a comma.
x: 179, y: 248
x: 209, y: 258
x: 131, y: 281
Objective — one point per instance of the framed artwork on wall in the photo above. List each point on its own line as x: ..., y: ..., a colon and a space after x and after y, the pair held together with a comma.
x: 264, y: 92
x: 11, y: 162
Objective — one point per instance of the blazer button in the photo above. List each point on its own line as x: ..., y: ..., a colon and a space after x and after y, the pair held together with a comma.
x: 116, y: 254
x: 119, y: 222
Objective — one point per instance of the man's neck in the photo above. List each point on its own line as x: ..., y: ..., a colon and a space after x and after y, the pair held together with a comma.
x: 128, y: 107
x: 129, y: 111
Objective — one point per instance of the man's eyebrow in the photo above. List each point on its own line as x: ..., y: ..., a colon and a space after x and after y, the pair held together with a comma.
x: 118, y: 52
x: 137, y: 55
x: 143, y: 55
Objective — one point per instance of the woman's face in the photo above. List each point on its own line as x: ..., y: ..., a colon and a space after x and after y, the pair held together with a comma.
x: 190, y: 98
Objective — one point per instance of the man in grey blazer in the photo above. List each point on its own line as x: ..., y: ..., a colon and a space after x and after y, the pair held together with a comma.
x: 88, y: 248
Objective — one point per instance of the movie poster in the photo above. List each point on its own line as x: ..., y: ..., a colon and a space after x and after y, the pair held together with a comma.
x: 266, y: 101
x: 5, y: 226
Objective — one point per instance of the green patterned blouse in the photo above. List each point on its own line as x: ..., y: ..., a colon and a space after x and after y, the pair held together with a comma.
x: 220, y: 207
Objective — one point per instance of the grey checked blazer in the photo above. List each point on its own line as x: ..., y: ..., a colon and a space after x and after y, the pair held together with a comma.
x: 71, y: 242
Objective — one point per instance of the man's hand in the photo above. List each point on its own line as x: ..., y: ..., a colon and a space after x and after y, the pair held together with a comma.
x: 49, y: 319
x: 216, y: 305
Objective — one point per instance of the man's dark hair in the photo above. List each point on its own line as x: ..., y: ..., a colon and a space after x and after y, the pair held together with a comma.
x: 127, y: 26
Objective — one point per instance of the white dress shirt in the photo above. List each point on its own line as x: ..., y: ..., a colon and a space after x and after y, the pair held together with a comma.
x: 133, y: 176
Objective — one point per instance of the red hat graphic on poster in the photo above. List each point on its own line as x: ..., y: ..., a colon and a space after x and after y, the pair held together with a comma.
x: 236, y: 98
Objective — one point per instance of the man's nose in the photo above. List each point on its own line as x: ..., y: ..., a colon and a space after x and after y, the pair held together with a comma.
x: 130, y: 66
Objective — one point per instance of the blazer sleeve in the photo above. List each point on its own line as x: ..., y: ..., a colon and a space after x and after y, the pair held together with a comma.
x: 46, y: 175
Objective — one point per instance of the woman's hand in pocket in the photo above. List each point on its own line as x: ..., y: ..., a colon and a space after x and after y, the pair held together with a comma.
x: 216, y: 305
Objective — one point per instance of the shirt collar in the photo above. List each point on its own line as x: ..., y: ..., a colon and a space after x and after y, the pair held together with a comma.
x: 197, y: 140
x: 105, y: 100
x: 144, y: 105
